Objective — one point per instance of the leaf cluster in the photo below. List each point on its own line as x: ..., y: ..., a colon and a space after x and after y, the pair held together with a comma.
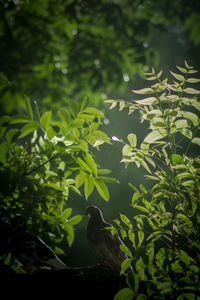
x: 164, y: 232
x: 44, y: 161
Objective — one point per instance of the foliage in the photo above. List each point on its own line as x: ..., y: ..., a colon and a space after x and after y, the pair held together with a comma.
x: 164, y: 233
x: 43, y: 161
x: 61, y: 46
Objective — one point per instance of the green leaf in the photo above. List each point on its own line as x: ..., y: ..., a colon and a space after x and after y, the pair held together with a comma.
x: 193, y: 80
x: 132, y: 138
x: 113, y: 103
x: 88, y: 186
x: 74, y: 107
x: 155, y: 135
x: 144, y: 164
x: 50, y: 133
x: 125, y: 249
x: 66, y: 213
x: 28, y: 128
x: 91, y: 163
x: 144, y: 91
x: 124, y: 294
x: 184, y: 257
x: 176, y: 159
x: 102, y: 189
x: 196, y: 140
x: 75, y: 220
x: 135, y: 198
x: 133, y: 281
x: 126, y: 221
x: 70, y: 233
x: 85, y: 103
x: 141, y: 208
x: 19, y: 119
x: 46, y: 119
x: 175, y: 267
x: 147, y: 101
x: 178, y: 76
x: 140, y: 237
x: 190, y: 116
x: 108, y: 179
x: 191, y: 91
x: 94, y: 111
x: 64, y: 115
x: 4, y: 148
x: 12, y: 135
x: 125, y: 264
x: 186, y: 132
x: 154, y: 234
x: 28, y: 107
x: 83, y: 165
x: 165, y: 285
x: 183, y: 70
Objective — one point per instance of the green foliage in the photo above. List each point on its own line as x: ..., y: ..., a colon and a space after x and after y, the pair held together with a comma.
x: 51, y: 49
x: 44, y: 161
x: 164, y: 232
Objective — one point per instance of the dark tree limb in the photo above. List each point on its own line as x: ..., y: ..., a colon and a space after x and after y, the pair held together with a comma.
x: 92, y: 282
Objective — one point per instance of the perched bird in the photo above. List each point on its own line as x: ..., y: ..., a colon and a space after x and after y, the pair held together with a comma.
x: 30, y: 250
x: 106, y: 245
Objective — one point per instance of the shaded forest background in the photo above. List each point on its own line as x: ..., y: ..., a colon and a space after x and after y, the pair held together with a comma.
x: 56, y: 52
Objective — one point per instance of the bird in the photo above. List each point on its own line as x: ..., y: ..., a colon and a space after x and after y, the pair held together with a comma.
x: 106, y: 245
x: 31, y: 250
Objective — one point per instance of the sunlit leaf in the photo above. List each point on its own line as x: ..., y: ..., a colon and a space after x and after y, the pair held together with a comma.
x: 102, y: 189
x: 178, y: 76
x: 46, y: 119
x: 191, y: 91
x: 132, y: 138
x: 147, y: 101
x: 74, y: 220
x: 70, y: 233
x: 196, y: 140
x: 176, y: 159
x: 155, y: 135
x: 140, y: 237
x: 125, y: 249
x: 144, y: 91
x: 91, y: 163
x: 193, y: 80
x: 125, y: 265
x: 126, y: 220
x: 94, y: 111
x: 66, y: 213
x: 190, y: 116
x: 88, y: 185
x: 64, y: 115
x: 142, y: 209
x: 183, y: 70
x: 28, y: 128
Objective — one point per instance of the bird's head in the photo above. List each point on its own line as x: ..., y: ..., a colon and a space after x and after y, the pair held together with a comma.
x: 93, y: 211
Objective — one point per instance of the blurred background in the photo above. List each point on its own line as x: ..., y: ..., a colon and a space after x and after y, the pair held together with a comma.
x: 59, y: 51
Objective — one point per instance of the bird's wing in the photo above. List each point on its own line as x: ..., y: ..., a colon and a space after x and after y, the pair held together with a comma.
x: 108, y: 246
